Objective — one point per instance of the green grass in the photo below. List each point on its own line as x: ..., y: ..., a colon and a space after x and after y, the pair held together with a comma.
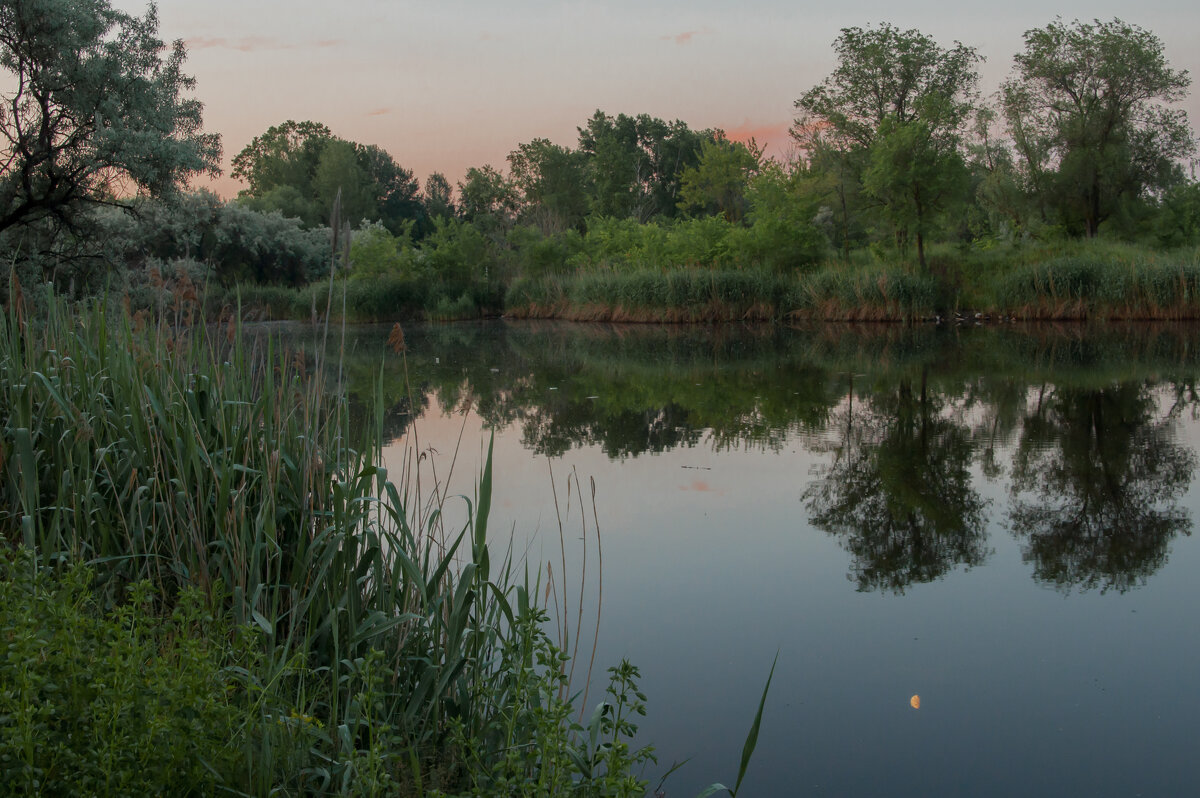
x: 196, y: 466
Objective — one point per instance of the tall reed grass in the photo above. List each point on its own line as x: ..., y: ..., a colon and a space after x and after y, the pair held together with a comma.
x: 397, y: 657
x: 1079, y: 287
x: 674, y: 295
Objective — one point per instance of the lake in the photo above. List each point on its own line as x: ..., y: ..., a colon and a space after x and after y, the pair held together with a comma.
x: 970, y: 548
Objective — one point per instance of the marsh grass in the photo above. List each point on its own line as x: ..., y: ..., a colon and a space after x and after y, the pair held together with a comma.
x: 1105, y: 285
x: 672, y: 295
x: 396, y: 656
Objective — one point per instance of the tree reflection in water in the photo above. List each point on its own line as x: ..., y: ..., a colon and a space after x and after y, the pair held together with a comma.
x: 1096, y: 479
x: 898, y: 493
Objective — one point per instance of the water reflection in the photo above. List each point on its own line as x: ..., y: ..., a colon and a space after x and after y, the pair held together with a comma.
x: 899, y: 493
x: 1077, y: 427
x: 1096, y: 480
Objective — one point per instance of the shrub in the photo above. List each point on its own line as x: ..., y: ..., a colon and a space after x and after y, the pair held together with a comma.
x: 116, y: 702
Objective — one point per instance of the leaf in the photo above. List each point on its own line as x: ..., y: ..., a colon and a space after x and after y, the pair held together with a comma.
x: 752, y: 737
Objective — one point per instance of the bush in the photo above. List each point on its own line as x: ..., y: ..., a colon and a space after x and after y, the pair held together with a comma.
x: 117, y: 702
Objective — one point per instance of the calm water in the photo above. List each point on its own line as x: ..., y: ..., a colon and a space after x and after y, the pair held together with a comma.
x: 995, y: 520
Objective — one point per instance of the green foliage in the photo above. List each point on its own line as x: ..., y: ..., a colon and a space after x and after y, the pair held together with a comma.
x: 236, y: 242
x: 438, y: 197
x: 92, y: 102
x: 488, y: 200
x: 553, y: 184
x: 1105, y: 286
x: 285, y: 155
x: 1177, y: 222
x: 536, y: 747
x: 210, y: 464
x: 123, y: 700
x: 914, y: 176
x: 636, y: 163
x: 718, y: 182
x: 890, y: 116
x: 784, y: 217
x: 297, y: 168
x: 1088, y: 111
x: 375, y: 252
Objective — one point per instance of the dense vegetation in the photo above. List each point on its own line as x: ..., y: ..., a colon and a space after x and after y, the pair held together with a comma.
x: 209, y: 583
x: 908, y: 194
x: 206, y: 588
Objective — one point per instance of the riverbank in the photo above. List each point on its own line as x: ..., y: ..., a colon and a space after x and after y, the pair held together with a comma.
x: 1070, y: 281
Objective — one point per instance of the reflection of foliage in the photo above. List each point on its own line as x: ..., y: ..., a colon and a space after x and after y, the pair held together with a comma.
x: 622, y: 434
x: 1105, y: 476
x: 899, y: 493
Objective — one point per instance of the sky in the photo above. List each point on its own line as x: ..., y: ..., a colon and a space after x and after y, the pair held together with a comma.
x: 451, y: 84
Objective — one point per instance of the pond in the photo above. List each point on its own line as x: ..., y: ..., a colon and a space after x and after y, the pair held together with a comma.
x: 970, y: 548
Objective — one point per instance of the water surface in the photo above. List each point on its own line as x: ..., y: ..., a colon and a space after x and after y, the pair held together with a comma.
x: 996, y: 520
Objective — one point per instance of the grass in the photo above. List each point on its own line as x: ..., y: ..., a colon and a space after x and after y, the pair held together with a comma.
x: 193, y: 465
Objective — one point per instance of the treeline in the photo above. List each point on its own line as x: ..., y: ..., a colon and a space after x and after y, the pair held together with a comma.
x: 906, y: 194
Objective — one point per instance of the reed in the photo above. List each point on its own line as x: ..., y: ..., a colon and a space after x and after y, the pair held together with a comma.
x: 1106, y: 286
x: 189, y: 457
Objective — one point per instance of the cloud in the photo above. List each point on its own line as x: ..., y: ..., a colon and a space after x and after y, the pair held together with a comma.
x: 380, y: 111
x: 251, y: 44
x: 685, y: 37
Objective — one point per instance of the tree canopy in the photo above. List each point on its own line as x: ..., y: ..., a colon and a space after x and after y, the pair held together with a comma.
x: 1087, y: 110
x: 98, y: 110
x: 297, y: 168
x: 892, y: 112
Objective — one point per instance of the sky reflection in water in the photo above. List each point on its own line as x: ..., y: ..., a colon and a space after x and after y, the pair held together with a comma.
x: 992, y: 525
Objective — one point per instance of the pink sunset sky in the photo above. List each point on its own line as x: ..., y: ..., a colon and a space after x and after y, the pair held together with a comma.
x: 447, y: 85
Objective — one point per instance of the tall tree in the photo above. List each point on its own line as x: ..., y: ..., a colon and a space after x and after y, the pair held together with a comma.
x: 285, y: 155
x: 1088, y: 111
x: 894, y: 108
x: 637, y: 163
x: 553, y: 182
x: 438, y: 197
x: 488, y: 199
x: 396, y: 190
x: 94, y: 111
x: 298, y: 167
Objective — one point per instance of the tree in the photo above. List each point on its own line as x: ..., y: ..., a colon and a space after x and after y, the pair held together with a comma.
x: 914, y: 176
x: 96, y: 111
x: 553, y: 183
x: 1087, y: 110
x: 397, y: 192
x: 297, y: 168
x: 285, y: 155
x: 894, y: 108
x: 339, y: 169
x: 488, y: 199
x: 719, y: 180
x: 636, y: 163
x: 438, y: 197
